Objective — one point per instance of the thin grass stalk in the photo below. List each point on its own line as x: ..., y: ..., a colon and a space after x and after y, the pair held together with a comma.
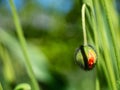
x: 100, y: 63
x: 102, y: 32
x: 101, y: 67
x: 23, y: 46
x: 108, y: 9
x: 105, y: 71
x: 83, y: 24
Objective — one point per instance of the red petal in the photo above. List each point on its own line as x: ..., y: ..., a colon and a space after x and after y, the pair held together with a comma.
x: 91, y: 62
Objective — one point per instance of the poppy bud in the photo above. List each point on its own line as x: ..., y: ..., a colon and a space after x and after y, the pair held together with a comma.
x: 86, y: 57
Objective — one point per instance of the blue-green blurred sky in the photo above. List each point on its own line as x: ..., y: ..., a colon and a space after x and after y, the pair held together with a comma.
x: 63, y: 6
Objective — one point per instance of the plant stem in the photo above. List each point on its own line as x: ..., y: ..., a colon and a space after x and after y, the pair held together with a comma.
x: 83, y: 24
x: 23, y: 46
x: 114, y: 35
x: 107, y: 60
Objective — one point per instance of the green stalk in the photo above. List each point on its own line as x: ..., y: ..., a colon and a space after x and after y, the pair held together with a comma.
x: 91, y: 16
x: 83, y: 24
x: 108, y: 8
x: 23, y: 46
x: 96, y: 35
x: 101, y: 28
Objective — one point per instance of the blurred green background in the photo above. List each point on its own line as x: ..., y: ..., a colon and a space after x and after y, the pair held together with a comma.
x: 53, y: 31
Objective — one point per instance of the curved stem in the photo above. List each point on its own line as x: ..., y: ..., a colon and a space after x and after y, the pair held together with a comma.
x: 23, y: 46
x: 83, y: 24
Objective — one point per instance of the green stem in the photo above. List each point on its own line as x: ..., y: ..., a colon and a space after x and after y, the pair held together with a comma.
x: 107, y: 60
x: 114, y: 35
x: 83, y: 24
x: 23, y: 46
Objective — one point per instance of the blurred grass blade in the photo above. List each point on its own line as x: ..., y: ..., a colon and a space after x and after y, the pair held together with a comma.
x: 23, y: 45
x: 37, y: 58
x: 97, y: 84
x: 103, y: 26
x: 23, y: 86
x: 1, y: 87
x: 9, y: 73
x: 112, y: 19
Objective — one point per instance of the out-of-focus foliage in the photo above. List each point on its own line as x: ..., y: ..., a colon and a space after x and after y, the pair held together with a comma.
x: 23, y: 86
x: 1, y: 87
x: 53, y: 34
